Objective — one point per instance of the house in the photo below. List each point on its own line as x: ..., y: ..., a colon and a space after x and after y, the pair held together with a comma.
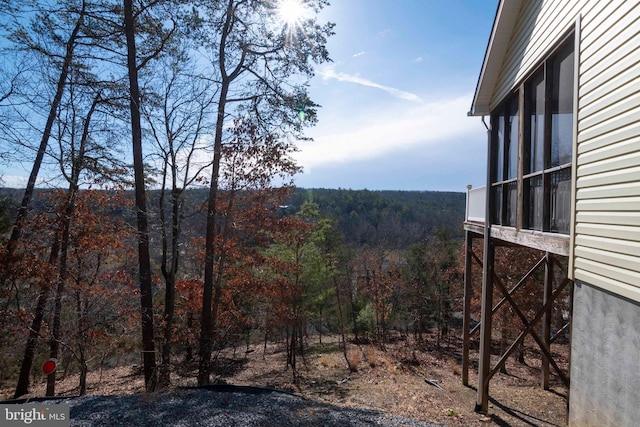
x: 559, y: 92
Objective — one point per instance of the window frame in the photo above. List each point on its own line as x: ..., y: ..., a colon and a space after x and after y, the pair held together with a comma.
x: 548, y: 176
x: 500, y: 184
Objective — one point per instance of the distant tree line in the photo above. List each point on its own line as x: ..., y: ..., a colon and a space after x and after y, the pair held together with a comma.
x: 387, y: 219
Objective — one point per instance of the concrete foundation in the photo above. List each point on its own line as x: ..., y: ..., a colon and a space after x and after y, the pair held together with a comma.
x: 605, y: 359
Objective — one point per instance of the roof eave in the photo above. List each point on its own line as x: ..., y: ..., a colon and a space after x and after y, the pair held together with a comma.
x: 503, y: 25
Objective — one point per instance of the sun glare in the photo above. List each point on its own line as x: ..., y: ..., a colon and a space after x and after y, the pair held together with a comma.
x: 291, y: 11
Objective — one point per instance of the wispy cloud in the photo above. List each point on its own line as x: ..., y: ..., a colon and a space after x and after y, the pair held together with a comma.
x: 14, y: 181
x: 329, y: 73
x: 431, y: 125
x: 384, y: 33
x: 355, y: 55
x: 417, y: 60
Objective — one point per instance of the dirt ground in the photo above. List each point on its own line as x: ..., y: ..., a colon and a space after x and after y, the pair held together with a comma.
x: 391, y: 378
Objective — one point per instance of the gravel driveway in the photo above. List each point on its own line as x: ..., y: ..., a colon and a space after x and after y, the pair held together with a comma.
x: 221, y: 406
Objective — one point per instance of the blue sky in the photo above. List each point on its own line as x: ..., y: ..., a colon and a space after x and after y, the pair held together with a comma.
x: 394, y: 99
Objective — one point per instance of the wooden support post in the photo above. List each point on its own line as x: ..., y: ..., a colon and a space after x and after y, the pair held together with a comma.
x: 484, y: 369
x: 546, y: 319
x: 572, y: 288
x: 466, y: 320
x: 482, y: 400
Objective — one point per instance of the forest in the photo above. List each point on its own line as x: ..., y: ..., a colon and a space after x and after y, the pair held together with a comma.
x: 160, y: 223
x: 314, y: 262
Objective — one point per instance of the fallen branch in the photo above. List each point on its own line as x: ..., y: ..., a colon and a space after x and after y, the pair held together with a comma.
x: 433, y: 383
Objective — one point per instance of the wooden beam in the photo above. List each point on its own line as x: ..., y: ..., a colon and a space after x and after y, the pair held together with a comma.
x: 521, y: 152
x: 474, y: 227
x: 546, y: 319
x: 555, y: 243
x: 529, y: 326
x: 482, y: 401
x: 466, y: 320
x: 560, y: 332
x: 549, y: 242
x: 528, y: 329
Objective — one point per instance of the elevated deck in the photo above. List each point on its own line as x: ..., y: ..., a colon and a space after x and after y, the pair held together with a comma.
x: 549, y: 272
x: 554, y: 243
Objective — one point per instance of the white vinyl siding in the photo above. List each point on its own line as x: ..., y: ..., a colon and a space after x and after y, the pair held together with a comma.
x: 539, y: 28
x: 601, y: 219
x: 607, y: 229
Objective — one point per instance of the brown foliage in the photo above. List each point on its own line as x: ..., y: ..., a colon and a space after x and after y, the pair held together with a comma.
x: 97, y: 308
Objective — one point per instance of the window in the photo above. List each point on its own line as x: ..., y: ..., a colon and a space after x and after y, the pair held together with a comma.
x: 547, y: 147
x: 505, y: 158
x: 562, y: 107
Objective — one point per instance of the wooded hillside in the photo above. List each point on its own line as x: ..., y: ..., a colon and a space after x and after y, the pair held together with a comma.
x: 390, y: 220
x: 387, y: 219
x: 355, y: 262
x: 365, y: 266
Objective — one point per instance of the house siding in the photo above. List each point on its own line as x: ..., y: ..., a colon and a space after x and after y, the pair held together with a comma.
x: 540, y: 26
x: 606, y: 232
x: 607, y: 228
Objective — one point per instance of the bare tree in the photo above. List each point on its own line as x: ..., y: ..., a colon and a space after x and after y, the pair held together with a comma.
x: 159, y: 33
x: 144, y: 264
x: 179, y: 121
x: 28, y: 39
x: 43, y: 23
x: 262, y: 69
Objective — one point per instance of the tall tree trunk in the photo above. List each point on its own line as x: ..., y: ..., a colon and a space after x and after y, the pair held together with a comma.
x: 292, y: 351
x: 164, y: 375
x: 70, y: 204
x: 354, y: 317
x: 188, y: 357
x: 36, y: 324
x: 170, y: 274
x: 27, y: 361
x: 164, y: 370
x: 62, y: 277
x: 320, y: 325
x: 209, y: 300
x: 81, y: 342
x: 341, y: 321
x: 83, y: 374
x: 146, y: 297
x: 46, y: 134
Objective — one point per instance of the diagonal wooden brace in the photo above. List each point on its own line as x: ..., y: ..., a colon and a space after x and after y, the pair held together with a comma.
x: 529, y: 326
x: 503, y: 300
